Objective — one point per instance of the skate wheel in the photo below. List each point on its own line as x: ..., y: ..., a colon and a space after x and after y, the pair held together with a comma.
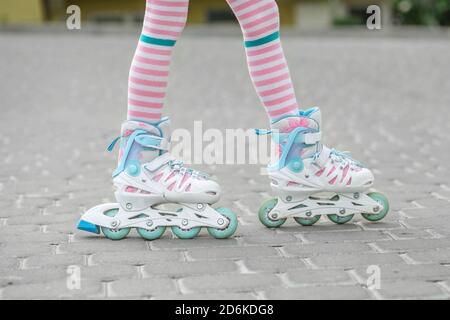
x: 382, y: 200
x: 340, y: 219
x: 307, y: 221
x: 151, y: 234
x: 230, y: 229
x: 114, y: 234
x: 264, y: 211
x: 186, y: 233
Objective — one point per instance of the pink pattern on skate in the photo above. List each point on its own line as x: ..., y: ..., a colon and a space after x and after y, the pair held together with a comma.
x: 332, y: 181
x: 185, y: 178
x: 188, y: 188
x: 170, y: 188
x: 171, y: 175
x: 344, y: 173
x: 131, y: 189
x: 294, y: 123
x: 128, y: 132
x: 349, y: 181
x: 292, y: 183
x: 158, y: 177
x: 319, y: 173
x: 331, y: 171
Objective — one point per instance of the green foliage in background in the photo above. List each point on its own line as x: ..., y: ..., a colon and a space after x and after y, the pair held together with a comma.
x: 422, y: 12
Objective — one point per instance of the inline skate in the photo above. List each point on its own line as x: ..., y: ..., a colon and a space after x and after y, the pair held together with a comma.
x: 311, y: 180
x: 147, y: 180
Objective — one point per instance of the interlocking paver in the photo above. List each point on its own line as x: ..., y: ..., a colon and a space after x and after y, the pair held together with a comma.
x: 54, y: 166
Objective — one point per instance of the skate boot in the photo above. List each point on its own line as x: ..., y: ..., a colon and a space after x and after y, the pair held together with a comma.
x: 147, y: 180
x: 311, y: 179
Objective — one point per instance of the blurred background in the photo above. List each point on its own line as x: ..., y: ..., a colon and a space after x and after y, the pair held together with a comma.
x: 301, y: 14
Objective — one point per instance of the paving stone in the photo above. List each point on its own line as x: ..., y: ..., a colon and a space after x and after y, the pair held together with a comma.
x: 274, y: 264
x: 232, y: 282
x: 431, y: 272
x: 319, y: 277
x: 354, y: 260
x: 411, y: 290
x: 345, y: 292
x: 148, y: 287
x: 232, y: 253
x: 45, y: 187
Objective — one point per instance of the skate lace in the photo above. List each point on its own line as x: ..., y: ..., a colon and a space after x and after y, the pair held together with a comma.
x: 344, y: 157
x: 178, y: 166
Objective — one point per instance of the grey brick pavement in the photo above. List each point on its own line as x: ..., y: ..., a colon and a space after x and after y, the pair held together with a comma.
x: 63, y: 98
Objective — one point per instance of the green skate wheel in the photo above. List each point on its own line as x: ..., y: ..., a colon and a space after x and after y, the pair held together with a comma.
x: 382, y: 200
x: 230, y: 229
x: 264, y: 211
x: 339, y: 219
x: 114, y: 234
x: 306, y: 222
x: 151, y: 234
x: 186, y: 233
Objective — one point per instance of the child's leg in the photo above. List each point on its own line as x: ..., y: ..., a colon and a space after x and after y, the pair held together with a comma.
x: 163, y: 24
x: 260, y: 23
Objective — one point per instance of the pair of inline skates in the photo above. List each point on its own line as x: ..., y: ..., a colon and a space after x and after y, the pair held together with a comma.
x: 155, y: 191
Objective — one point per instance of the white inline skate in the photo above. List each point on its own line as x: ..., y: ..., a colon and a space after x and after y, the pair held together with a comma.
x: 146, y: 179
x: 311, y: 180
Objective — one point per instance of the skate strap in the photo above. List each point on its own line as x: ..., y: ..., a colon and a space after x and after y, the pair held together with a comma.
x: 309, y: 138
x: 159, y: 162
x: 153, y: 142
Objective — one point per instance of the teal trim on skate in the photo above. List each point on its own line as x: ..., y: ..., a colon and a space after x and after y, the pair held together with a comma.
x: 134, y: 168
x: 262, y: 132
x: 122, y: 164
x: 88, y: 227
x: 149, y: 141
x: 113, y: 144
x: 296, y: 166
x: 259, y: 42
x: 308, y: 112
x: 158, y: 42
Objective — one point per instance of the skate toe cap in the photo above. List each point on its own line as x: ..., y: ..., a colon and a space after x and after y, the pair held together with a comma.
x: 363, y: 178
x: 209, y: 188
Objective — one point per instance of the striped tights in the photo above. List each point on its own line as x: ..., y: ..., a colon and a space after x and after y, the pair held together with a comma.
x: 163, y: 24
